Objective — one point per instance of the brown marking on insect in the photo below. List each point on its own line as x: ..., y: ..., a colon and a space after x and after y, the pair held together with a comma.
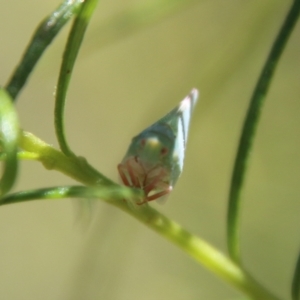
x: 143, y: 142
x: 164, y: 151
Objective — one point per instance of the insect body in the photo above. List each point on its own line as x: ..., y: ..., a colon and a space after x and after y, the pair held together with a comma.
x: 154, y: 160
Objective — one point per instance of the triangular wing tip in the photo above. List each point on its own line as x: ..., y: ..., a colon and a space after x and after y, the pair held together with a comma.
x: 189, y: 101
x: 194, y: 95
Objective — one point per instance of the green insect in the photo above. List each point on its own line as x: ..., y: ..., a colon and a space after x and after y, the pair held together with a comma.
x: 154, y: 159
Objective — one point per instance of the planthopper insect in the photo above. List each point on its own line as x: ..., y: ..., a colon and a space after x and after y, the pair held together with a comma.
x: 154, y: 159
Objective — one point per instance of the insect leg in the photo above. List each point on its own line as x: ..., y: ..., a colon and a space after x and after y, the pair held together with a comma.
x: 123, y: 175
x: 152, y: 184
x: 157, y: 195
x: 160, y: 194
x: 155, y: 179
x: 132, y: 176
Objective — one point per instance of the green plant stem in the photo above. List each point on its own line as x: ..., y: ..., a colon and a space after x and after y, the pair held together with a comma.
x: 201, y: 251
x: 52, y: 159
x: 9, y: 137
x: 72, y: 48
x: 249, y: 129
x: 108, y: 194
x: 43, y: 36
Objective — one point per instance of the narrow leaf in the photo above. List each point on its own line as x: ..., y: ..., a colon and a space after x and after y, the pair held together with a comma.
x: 249, y: 129
x: 42, y: 38
x: 9, y: 134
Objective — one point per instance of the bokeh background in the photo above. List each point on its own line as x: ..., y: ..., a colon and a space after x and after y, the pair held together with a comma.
x: 138, y: 60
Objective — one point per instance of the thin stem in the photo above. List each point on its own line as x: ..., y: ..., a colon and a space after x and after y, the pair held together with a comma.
x: 72, y: 48
x: 9, y: 136
x: 108, y: 194
x: 249, y: 129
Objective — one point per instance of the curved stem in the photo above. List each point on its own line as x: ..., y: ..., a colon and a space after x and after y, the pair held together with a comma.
x: 9, y: 137
x: 249, y: 129
x: 69, y: 58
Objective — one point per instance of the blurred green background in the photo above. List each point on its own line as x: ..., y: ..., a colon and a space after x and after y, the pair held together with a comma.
x: 126, y: 77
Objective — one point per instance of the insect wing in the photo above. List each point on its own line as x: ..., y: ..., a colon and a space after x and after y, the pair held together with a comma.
x: 179, y: 120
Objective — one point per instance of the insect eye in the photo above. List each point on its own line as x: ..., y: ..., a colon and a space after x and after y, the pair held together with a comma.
x: 143, y: 142
x: 163, y: 151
